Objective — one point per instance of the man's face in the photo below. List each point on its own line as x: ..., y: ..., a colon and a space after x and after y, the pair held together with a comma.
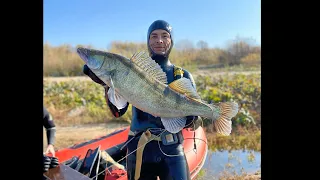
x: 160, y: 41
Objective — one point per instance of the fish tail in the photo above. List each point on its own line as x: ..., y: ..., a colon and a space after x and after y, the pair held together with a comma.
x: 222, y: 115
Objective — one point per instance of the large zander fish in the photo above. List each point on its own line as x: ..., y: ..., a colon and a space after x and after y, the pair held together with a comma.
x: 142, y: 82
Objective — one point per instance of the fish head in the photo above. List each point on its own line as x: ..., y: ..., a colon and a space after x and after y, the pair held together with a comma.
x: 97, y: 60
x: 102, y: 64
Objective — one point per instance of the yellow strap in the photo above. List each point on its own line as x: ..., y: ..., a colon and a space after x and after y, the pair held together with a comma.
x: 178, y: 71
x: 153, y: 137
x: 144, y: 139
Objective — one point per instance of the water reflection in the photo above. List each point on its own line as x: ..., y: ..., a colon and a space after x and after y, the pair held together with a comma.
x: 236, y: 161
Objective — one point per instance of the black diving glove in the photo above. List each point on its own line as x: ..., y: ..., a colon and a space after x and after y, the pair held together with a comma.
x: 46, y: 163
x: 89, y: 73
x: 54, y: 162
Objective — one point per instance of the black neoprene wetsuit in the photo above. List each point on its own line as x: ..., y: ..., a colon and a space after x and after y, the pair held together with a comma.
x: 49, y: 125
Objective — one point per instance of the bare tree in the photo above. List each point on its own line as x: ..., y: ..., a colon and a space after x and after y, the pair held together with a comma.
x: 239, y: 48
x: 202, y: 45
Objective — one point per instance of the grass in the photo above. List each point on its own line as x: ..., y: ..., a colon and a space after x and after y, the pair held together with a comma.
x: 226, y: 175
x: 78, y: 102
x: 83, y: 102
x: 68, y: 136
x: 240, y: 138
x: 64, y: 61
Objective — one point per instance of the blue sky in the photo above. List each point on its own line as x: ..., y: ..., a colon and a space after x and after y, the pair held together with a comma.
x: 99, y: 22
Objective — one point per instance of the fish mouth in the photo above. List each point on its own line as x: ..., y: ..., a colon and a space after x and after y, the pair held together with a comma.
x: 90, y: 57
x: 83, y: 53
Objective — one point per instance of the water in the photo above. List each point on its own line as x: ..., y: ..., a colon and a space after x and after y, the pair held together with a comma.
x: 236, y: 161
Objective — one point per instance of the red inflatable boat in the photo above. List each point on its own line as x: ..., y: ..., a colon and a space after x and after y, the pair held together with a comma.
x: 83, y: 161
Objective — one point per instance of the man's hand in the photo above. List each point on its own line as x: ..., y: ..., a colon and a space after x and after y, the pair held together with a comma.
x: 116, y: 99
x: 49, y: 162
x: 46, y: 163
x: 54, y: 162
x: 50, y: 149
x: 91, y: 75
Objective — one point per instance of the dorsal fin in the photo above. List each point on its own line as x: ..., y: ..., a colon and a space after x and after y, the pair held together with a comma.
x: 142, y: 60
x: 184, y: 86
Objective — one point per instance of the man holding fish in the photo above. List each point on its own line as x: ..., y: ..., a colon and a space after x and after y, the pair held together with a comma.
x: 164, y: 101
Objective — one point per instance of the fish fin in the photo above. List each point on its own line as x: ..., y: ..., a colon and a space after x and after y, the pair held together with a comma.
x: 184, y: 86
x: 174, y: 125
x: 112, y: 89
x: 142, y: 60
x: 222, y: 115
x: 223, y: 127
x: 111, y: 84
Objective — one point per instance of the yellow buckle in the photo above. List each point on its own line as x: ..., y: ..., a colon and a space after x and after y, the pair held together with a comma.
x: 178, y: 71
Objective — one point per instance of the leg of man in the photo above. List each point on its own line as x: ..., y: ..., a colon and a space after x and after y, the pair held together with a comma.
x: 174, y: 167
x: 148, y: 170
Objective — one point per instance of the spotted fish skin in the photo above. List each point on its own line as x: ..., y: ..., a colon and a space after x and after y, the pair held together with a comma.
x: 141, y: 81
